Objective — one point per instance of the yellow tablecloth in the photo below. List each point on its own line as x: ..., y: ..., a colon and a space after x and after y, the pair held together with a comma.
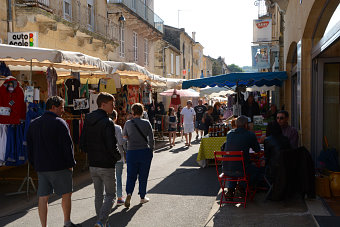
x: 207, y: 148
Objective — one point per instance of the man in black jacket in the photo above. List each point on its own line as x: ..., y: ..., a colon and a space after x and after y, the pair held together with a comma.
x: 50, y: 152
x: 98, y: 140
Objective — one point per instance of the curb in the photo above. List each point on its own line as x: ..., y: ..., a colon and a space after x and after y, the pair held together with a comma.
x: 214, y: 209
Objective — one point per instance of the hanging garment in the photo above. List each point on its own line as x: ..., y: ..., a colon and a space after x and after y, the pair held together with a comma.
x: 175, y: 99
x: 13, y: 100
x: 4, y: 70
x: 10, y: 156
x: 84, y: 91
x: 93, y: 102
x: 32, y: 113
x: 3, y: 142
x: 108, y: 86
x: 19, y: 145
x: 36, y: 94
x: 51, y: 77
x: 73, y: 86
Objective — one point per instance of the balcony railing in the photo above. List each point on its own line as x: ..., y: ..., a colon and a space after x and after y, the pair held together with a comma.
x: 80, y: 18
x: 143, y: 11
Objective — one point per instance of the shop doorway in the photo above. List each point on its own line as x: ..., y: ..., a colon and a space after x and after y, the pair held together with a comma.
x: 294, y: 111
x: 327, y: 103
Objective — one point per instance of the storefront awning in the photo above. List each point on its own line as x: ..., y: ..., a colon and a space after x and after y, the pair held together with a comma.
x: 230, y: 80
x: 129, y: 80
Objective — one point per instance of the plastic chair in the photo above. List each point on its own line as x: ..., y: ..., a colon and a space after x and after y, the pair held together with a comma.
x: 231, y: 156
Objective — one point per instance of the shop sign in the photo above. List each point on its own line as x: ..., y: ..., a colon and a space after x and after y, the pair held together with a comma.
x: 260, y: 56
x: 28, y: 39
x: 262, y: 30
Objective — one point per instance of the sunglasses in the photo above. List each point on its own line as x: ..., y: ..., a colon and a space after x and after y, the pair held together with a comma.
x: 280, y: 118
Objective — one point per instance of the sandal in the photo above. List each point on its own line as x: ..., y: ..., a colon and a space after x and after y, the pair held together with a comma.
x: 186, y: 144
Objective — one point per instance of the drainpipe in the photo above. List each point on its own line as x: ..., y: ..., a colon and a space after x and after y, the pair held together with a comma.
x: 9, y: 16
x: 164, y: 60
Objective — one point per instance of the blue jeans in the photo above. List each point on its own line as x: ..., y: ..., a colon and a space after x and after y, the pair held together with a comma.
x: 138, y: 164
x: 119, y: 172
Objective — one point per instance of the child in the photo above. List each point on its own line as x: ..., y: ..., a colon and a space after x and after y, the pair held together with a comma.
x: 172, y: 126
x: 119, y: 165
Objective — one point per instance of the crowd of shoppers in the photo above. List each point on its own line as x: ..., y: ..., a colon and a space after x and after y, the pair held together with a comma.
x: 50, y: 152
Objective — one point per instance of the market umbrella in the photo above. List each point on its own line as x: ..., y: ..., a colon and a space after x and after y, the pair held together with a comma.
x: 182, y: 93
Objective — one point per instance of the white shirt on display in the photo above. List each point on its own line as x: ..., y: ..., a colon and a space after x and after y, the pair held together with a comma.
x: 188, y: 115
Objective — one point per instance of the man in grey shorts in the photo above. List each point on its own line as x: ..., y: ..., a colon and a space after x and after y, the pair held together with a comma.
x: 50, y: 152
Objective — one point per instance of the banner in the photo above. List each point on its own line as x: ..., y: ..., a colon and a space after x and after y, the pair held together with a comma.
x: 262, y: 30
x: 260, y: 56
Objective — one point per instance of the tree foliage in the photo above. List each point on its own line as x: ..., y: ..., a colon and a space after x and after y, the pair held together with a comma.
x: 235, y: 68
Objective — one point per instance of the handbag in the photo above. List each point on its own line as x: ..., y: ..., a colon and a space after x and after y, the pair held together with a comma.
x: 140, y: 131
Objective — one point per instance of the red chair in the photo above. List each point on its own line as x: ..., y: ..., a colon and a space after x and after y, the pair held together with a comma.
x: 231, y: 156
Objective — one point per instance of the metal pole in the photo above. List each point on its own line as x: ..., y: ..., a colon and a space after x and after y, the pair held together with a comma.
x: 31, y: 73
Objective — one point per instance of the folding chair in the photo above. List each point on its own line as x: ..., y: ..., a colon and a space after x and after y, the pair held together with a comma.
x: 231, y: 156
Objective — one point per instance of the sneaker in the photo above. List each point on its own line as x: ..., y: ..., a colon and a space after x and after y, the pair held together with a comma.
x: 99, y: 224
x: 145, y: 200
x: 120, y: 202
x: 127, y: 201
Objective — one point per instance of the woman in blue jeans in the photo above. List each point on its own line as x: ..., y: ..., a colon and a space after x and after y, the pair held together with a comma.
x: 121, y: 142
x: 139, y: 135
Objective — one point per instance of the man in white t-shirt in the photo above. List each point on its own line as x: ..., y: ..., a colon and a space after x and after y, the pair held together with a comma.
x: 189, y: 117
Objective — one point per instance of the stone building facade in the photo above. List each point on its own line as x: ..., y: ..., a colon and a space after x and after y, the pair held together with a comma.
x: 311, y: 57
x: 167, y: 60
x: 93, y: 27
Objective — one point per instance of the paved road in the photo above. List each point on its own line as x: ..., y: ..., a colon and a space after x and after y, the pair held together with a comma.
x: 181, y: 194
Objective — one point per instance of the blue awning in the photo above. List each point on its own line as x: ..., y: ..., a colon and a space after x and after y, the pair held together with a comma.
x: 249, y: 79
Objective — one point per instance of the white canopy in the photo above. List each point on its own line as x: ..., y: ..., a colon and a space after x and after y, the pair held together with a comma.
x: 124, y: 66
x: 40, y: 55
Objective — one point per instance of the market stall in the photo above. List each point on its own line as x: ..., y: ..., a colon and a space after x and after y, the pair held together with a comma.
x: 33, y: 74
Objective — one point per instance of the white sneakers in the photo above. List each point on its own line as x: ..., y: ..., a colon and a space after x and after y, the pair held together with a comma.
x: 145, y: 200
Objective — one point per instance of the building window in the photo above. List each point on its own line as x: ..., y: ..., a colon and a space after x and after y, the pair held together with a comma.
x: 67, y: 5
x: 146, y: 52
x: 172, y: 63
x: 90, y: 14
x: 177, y: 66
x: 122, y: 42
x: 133, y: 5
x: 135, y: 46
x: 183, y: 49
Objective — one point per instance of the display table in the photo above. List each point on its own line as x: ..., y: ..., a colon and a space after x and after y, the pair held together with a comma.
x: 207, y: 148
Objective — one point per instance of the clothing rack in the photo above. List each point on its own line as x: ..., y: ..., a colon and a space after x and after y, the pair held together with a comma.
x: 29, y: 181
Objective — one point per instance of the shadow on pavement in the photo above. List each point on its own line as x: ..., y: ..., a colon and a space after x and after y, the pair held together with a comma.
x: 196, y: 182
x: 124, y: 217
x: 292, y: 212
x: 20, y: 206
x: 191, y: 161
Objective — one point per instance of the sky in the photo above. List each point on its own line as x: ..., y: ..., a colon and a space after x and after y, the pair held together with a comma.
x: 223, y: 27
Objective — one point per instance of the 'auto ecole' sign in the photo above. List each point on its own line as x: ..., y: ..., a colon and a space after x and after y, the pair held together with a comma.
x: 28, y: 39
x: 262, y: 30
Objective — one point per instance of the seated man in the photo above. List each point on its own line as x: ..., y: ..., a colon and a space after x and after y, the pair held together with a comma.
x: 287, y: 130
x: 240, y: 139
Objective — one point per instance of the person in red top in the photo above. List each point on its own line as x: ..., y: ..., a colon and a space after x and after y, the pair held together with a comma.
x: 12, y: 97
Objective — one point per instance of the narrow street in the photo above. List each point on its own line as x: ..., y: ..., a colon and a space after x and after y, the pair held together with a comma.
x: 181, y: 194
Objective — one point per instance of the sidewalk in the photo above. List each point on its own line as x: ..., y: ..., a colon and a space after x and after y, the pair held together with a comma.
x: 258, y: 212
x: 11, y: 179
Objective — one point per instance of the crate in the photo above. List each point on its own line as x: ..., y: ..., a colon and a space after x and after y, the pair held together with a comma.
x: 322, y: 186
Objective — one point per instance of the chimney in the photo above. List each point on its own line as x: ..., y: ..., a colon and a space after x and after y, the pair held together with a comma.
x: 194, y: 36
